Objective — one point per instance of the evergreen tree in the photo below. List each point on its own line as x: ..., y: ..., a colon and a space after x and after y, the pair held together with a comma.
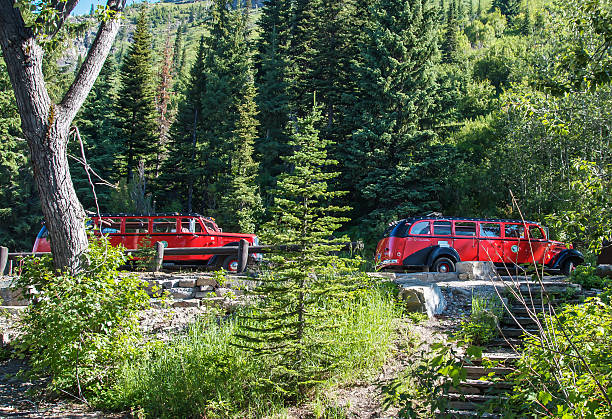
x: 273, y: 96
x: 20, y: 212
x: 387, y: 156
x: 228, y: 117
x: 509, y: 8
x: 450, y: 45
x: 293, y: 322
x: 136, y: 111
x: 177, y: 51
x: 182, y: 169
x: 97, y: 125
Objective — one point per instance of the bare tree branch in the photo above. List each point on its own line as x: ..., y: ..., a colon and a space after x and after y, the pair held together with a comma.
x: 88, y: 73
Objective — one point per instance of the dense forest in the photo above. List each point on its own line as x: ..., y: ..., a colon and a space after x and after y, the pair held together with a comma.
x: 452, y: 106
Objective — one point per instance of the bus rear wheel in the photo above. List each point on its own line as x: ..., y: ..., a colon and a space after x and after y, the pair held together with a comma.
x: 443, y: 265
x: 230, y: 264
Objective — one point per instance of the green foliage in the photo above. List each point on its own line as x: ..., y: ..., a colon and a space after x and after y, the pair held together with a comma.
x: 416, y: 317
x: 420, y: 391
x: 566, y: 373
x: 135, y: 106
x: 145, y: 255
x: 387, y: 158
x: 483, y: 324
x: 306, y: 289
x: 204, y: 374
x: 19, y: 206
x: 81, y: 328
x: 585, y: 275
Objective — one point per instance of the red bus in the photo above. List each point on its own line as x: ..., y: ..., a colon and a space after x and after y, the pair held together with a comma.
x: 437, y: 244
x: 173, y: 230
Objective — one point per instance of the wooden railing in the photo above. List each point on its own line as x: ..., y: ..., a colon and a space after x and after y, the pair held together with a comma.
x: 241, y: 251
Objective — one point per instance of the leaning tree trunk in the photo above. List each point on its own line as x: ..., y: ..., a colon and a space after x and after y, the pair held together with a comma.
x: 46, y: 125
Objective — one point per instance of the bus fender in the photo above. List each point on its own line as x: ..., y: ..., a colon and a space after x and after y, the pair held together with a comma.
x: 566, y: 255
x: 442, y: 251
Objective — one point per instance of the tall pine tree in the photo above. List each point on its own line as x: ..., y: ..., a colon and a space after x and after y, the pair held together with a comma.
x: 97, y: 125
x: 386, y: 157
x: 136, y: 113
x: 228, y: 123
x: 272, y: 65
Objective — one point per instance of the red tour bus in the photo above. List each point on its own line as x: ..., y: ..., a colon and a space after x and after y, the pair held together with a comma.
x: 437, y: 244
x: 173, y: 230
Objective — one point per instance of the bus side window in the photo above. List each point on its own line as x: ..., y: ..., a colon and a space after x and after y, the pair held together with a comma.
x: 190, y: 225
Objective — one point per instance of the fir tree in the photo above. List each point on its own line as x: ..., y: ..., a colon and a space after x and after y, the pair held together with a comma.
x: 228, y: 111
x: 450, y: 45
x: 97, y: 126
x: 292, y: 324
x: 273, y: 96
x: 386, y: 156
x: 177, y: 51
x: 136, y: 111
x: 20, y: 212
x: 182, y: 170
x: 509, y: 8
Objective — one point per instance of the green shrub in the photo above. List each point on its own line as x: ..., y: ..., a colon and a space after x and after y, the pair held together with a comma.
x: 81, y: 327
x: 204, y: 374
x: 482, y: 326
x: 585, y: 276
x: 568, y: 372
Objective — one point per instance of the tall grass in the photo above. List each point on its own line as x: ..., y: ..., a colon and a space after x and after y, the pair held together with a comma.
x: 202, y: 374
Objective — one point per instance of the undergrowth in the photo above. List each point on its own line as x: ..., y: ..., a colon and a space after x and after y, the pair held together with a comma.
x: 482, y: 325
x: 203, y: 374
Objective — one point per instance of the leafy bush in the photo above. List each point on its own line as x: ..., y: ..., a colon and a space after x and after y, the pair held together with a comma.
x: 81, y: 327
x: 420, y: 390
x: 204, y: 374
x: 585, y: 276
x: 568, y: 372
x: 482, y: 326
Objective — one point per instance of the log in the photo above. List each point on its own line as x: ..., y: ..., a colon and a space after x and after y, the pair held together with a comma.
x: 159, y: 256
x: 3, y: 258
x: 243, y: 255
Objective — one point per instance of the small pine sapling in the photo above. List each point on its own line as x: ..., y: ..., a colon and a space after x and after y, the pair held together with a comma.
x: 292, y: 326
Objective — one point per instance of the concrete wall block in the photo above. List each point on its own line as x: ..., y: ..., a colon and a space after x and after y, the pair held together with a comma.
x: 477, y: 270
x: 181, y: 293
x: 206, y: 281
x: 423, y: 298
x: 190, y: 302
x: 187, y: 283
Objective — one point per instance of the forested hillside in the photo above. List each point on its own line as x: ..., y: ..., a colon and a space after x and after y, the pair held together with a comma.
x: 428, y: 106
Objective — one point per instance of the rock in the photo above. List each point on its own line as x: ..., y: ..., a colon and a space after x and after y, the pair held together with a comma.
x: 423, y: 297
x: 187, y: 283
x: 604, y: 271
x: 206, y: 281
x: 477, y: 270
x: 171, y: 283
x: 222, y: 292
x: 207, y: 288
x: 181, y: 293
x: 13, y: 297
x: 190, y: 302
x: 464, y: 277
x: 206, y: 294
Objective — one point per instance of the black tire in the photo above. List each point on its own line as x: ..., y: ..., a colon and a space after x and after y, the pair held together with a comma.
x: 230, y: 264
x: 568, y: 267
x: 443, y: 265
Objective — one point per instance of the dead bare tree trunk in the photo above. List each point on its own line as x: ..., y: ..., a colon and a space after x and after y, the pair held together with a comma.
x: 45, y: 124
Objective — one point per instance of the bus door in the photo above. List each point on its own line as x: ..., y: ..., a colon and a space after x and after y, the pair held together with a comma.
x: 417, y: 245
x: 490, y: 244
x: 465, y: 240
x: 516, y: 246
x: 193, y: 234
x: 136, y: 230
x: 539, y: 243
